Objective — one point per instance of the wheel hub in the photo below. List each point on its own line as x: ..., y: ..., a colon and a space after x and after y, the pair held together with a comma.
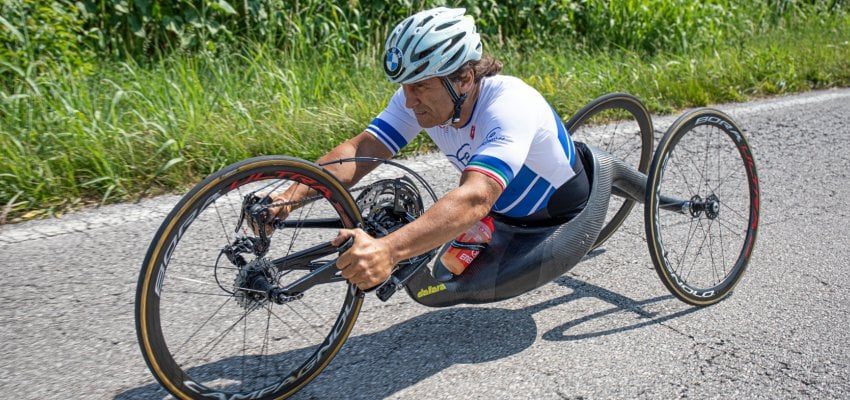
x: 252, y: 283
x: 710, y: 205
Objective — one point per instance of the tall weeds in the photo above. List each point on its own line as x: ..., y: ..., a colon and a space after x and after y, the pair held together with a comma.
x: 106, y: 130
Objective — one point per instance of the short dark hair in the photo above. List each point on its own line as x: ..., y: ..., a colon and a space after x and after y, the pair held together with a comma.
x: 486, y: 66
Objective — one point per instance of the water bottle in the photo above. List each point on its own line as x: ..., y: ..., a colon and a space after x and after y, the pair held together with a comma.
x: 463, y: 250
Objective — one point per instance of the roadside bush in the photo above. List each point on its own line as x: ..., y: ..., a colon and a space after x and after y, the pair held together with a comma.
x: 36, y: 36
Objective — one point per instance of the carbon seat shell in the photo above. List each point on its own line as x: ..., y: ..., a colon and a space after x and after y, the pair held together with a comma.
x: 519, y: 258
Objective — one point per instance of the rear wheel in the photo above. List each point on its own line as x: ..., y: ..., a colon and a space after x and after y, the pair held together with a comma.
x: 619, y: 124
x: 202, y: 331
x: 701, y: 251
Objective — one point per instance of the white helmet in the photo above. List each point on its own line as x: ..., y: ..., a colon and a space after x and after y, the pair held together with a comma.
x: 431, y: 43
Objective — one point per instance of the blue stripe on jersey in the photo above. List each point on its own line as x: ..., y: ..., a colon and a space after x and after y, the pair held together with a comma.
x: 565, y: 139
x: 515, y: 189
x: 531, y: 199
x: 544, y: 201
x: 527, y: 193
x: 389, y: 132
x: 383, y: 138
x: 497, y: 164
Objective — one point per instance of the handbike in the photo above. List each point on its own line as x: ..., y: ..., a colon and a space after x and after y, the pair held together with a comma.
x: 223, y: 313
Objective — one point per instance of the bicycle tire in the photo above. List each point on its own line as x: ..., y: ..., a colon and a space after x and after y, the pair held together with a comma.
x: 177, y: 378
x: 633, y: 106
x: 676, y: 276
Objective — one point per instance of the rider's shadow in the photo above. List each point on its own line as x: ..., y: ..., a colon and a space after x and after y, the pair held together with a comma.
x: 379, y: 364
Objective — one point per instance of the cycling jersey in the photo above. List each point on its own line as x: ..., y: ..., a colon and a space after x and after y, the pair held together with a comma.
x: 514, y: 137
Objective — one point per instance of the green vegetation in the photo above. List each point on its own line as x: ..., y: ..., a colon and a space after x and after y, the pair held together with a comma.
x: 125, y: 98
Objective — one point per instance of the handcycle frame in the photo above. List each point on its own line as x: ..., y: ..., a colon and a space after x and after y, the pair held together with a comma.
x: 484, y: 282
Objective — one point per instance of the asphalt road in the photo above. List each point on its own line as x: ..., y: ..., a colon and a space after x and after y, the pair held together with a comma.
x: 607, y: 329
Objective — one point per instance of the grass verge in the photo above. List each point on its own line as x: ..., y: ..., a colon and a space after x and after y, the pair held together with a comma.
x: 125, y: 131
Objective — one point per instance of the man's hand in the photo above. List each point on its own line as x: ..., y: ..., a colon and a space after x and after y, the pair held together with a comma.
x: 368, y: 262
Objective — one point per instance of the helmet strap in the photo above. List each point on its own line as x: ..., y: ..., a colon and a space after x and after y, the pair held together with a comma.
x: 457, y: 100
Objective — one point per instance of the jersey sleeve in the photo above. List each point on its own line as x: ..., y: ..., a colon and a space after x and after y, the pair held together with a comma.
x: 507, y: 141
x: 395, y: 127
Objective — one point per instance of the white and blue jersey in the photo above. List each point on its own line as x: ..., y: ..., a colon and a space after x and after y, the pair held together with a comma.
x: 514, y: 137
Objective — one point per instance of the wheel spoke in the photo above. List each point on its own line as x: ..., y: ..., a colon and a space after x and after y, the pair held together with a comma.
x: 303, y: 319
x: 722, y: 248
x: 244, y: 346
x: 735, y: 212
x: 316, y: 313
x: 711, y: 252
x: 674, y: 156
x: 297, y: 228
x: 289, y: 326
x: 730, y: 229
x: 216, y: 285
x: 202, y: 325
x: 221, y: 336
x: 691, y: 231
x: 722, y: 181
x: 699, y: 251
x: 705, y: 182
x: 261, y: 365
x: 223, y: 228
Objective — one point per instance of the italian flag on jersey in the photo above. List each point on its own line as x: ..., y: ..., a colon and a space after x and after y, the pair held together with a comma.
x: 501, y: 175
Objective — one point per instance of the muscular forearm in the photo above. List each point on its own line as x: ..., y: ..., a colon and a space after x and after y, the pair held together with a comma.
x: 348, y: 173
x: 445, y: 220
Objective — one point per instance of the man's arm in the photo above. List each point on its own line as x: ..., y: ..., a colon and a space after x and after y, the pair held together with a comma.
x: 349, y: 173
x: 370, y: 261
x: 362, y: 145
x: 452, y: 215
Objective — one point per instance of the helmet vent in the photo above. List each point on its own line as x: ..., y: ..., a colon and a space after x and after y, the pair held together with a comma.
x: 446, y: 25
x: 457, y: 55
x: 403, y: 31
x: 427, y: 52
x: 406, y: 44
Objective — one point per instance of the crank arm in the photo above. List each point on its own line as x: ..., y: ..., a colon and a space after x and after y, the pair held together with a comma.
x: 329, y: 223
x: 302, y: 259
x: 323, y: 274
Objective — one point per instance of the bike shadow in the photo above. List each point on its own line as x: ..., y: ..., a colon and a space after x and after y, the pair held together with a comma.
x: 379, y: 364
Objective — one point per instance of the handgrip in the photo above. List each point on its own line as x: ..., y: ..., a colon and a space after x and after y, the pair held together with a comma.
x: 346, y: 245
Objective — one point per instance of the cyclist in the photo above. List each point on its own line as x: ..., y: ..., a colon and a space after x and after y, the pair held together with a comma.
x: 516, y: 159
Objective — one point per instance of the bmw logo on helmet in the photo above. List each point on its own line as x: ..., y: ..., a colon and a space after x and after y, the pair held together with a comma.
x: 392, y: 64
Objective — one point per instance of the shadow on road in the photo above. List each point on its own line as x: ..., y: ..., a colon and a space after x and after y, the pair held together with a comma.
x: 376, y: 365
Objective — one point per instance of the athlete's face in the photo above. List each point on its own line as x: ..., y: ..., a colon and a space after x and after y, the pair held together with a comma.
x: 429, y: 101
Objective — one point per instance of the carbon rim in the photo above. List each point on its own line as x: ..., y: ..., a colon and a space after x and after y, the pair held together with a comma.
x: 198, y: 338
x: 701, y: 254
x: 619, y: 124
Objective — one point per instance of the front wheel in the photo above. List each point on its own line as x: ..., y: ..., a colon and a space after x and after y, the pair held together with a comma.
x: 203, y: 328
x: 701, y: 246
